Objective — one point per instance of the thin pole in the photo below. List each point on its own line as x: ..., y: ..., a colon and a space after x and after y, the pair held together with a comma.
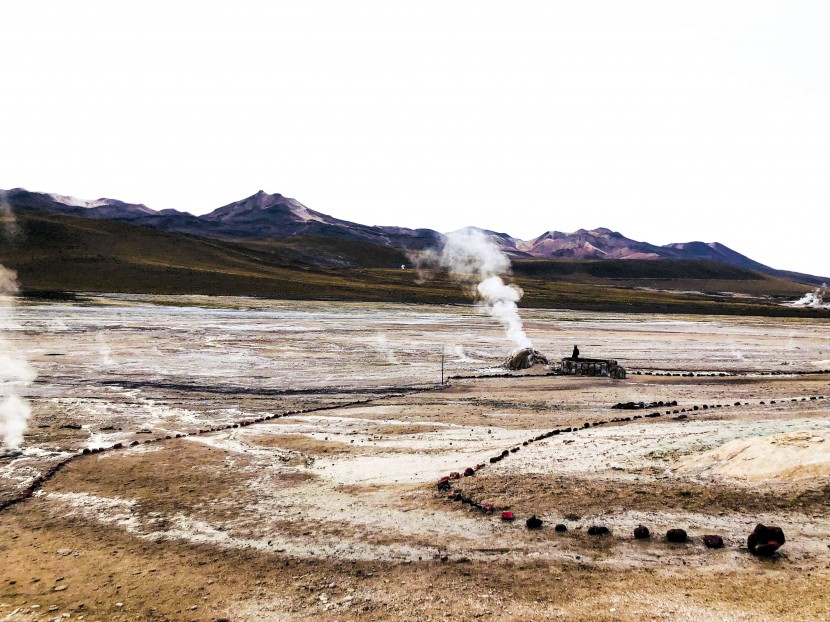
x: 442, y: 364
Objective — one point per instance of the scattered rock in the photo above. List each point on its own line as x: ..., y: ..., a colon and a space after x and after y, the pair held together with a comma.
x: 507, y: 515
x: 597, y: 530
x: 677, y: 535
x: 560, y: 528
x: 764, y: 540
x: 641, y: 532
x: 713, y: 542
x: 534, y: 522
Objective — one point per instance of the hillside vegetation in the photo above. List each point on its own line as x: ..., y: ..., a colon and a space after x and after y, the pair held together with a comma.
x: 58, y: 253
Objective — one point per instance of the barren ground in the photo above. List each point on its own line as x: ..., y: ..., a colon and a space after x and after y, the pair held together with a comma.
x: 334, y: 514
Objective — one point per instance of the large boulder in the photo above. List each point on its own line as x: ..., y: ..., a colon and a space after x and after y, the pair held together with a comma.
x: 765, y: 540
x: 524, y: 359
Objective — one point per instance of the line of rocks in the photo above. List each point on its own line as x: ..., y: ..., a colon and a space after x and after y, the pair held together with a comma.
x: 723, y: 374
x: 37, y: 483
x: 767, y: 538
x: 640, y: 372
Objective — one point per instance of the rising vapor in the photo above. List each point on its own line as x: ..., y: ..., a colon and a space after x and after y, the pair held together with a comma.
x: 473, y: 259
x: 15, y: 371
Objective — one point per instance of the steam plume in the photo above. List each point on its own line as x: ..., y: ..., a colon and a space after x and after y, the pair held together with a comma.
x: 473, y: 259
x: 816, y: 299
x: 14, y: 369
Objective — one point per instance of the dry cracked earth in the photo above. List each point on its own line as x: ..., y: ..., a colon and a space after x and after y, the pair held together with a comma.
x: 334, y: 514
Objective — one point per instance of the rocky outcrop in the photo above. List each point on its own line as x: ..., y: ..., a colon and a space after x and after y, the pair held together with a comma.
x: 524, y: 359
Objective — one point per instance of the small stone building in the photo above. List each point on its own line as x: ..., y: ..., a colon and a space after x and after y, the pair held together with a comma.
x: 592, y: 367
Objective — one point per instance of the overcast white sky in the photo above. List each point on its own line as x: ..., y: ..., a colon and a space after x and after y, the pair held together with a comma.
x: 667, y: 121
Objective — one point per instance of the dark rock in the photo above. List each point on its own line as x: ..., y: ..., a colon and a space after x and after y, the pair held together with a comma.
x: 469, y: 471
x: 765, y: 540
x: 713, y: 542
x: 560, y: 528
x: 677, y: 535
x: 597, y: 530
x: 524, y: 359
x: 533, y: 522
x: 641, y: 532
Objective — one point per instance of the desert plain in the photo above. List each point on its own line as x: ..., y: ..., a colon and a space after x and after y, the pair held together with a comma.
x: 312, y: 435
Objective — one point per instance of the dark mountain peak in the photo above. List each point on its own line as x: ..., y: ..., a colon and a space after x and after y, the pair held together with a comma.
x: 62, y: 204
x: 280, y: 208
x: 599, y: 232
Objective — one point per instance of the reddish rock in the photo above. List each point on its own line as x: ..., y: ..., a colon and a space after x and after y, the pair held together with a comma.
x: 507, y: 515
x: 455, y: 475
x: 765, y: 540
x: 469, y: 471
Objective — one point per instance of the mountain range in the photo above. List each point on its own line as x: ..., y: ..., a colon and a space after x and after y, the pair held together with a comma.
x: 263, y: 216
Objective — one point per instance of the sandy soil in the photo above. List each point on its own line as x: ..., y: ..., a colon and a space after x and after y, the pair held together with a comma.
x: 335, y: 514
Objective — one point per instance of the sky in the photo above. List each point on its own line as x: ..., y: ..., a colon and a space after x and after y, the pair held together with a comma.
x: 667, y: 121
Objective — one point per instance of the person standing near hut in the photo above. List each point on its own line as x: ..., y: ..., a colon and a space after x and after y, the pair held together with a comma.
x: 575, y: 354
